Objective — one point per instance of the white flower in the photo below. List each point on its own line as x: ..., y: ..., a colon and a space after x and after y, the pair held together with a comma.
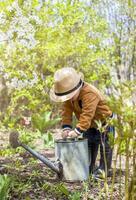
x: 14, y: 82
x: 24, y: 42
x: 1, y: 65
x: 6, y: 75
x: 92, y: 46
x: 40, y: 5
x: 10, y: 8
x: 2, y: 18
x: 15, y: 4
x: 36, y: 19
x: 24, y: 20
x: 27, y: 3
x: 10, y: 34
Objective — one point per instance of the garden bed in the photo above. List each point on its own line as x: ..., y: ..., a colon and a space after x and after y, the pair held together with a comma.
x: 30, y: 179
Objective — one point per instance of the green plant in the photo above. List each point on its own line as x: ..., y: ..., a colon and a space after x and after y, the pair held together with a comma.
x: 102, y: 129
x: 124, y: 107
x: 20, y: 187
x: 4, y: 186
x: 63, y: 189
x: 43, y: 122
x: 75, y: 196
x: 48, y: 140
x: 27, y: 136
x: 59, y: 190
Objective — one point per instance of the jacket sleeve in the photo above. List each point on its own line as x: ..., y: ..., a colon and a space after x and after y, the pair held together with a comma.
x: 67, y: 112
x: 89, y: 105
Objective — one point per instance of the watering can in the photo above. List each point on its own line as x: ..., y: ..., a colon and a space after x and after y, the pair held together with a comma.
x: 71, y: 157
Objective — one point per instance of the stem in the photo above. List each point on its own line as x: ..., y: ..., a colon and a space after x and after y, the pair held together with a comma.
x: 105, y: 163
x: 114, y: 171
x: 127, y: 169
x: 120, y: 174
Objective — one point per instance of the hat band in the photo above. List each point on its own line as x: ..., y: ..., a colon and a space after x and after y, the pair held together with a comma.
x: 69, y: 91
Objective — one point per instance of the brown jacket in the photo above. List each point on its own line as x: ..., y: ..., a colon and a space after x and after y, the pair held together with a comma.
x: 89, y: 106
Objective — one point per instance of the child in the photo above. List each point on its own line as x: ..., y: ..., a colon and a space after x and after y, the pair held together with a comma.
x: 89, y: 105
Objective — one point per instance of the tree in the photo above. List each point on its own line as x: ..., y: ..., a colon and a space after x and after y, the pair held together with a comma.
x: 40, y: 38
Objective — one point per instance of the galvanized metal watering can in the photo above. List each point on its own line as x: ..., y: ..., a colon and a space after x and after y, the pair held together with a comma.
x: 71, y: 157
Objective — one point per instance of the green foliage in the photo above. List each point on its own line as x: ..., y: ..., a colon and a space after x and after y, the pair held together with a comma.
x: 7, y: 152
x: 111, y: 139
x: 20, y: 187
x: 4, y: 186
x: 43, y: 122
x: 59, y: 190
x: 48, y: 140
x: 28, y: 137
x: 63, y: 189
x: 75, y: 196
x: 43, y: 39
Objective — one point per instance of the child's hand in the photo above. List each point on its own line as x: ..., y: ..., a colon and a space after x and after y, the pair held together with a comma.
x: 72, y: 134
x: 65, y: 133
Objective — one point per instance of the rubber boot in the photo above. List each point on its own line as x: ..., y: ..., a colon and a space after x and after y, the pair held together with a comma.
x: 93, y: 151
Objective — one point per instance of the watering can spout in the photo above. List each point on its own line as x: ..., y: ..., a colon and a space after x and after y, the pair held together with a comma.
x: 14, y: 141
x: 45, y: 160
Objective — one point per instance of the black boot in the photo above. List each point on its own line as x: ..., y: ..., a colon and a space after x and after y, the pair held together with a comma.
x: 93, y: 151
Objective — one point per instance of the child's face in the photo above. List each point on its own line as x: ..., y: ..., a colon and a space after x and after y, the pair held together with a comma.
x: 75, y: 96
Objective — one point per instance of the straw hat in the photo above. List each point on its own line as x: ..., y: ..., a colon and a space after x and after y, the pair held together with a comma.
x: 66, y: 84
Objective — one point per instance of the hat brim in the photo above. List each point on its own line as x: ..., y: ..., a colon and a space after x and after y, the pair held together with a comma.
x: 56, y: 98
x: 63, y: 98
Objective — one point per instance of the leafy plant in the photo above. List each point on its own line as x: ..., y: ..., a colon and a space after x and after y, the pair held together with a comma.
x: 43, y: 122
x: 28, y: 136
x: 4, y: 186
x: 48, y: 140
x: 75, y: 196
x: 59, y: 190
x: 63, y: 189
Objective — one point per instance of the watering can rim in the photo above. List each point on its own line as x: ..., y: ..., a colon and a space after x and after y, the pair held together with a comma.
x: 72, y: 140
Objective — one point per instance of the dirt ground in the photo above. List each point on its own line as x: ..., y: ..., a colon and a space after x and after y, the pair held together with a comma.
x: 33, y: 180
